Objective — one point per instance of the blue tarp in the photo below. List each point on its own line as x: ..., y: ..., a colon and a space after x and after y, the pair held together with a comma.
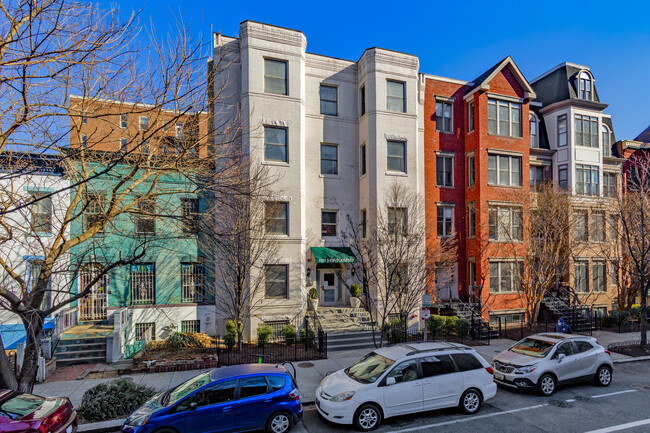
x: 15, y: 333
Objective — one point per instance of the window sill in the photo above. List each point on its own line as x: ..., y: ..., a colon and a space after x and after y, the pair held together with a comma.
x: 496, y: 241
x: 363, y: 176
x: 396, y: 173
x: 276, y: 163
x: 445, y: 132
x: 445, y: 186
x: 505, y: 186
x: 505, y: 136
x: 330, y: 176
x: 504, y: 293
x: 469, y: 132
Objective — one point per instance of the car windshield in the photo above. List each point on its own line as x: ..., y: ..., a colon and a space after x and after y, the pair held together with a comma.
x: 20, y: 405
x: 187, y: 387
x: 533, y: 347
x: 369, y: 368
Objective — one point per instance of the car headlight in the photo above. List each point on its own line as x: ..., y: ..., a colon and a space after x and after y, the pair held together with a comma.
x: 525, y: 370
x: 138, y: 421
x: 344, y: 396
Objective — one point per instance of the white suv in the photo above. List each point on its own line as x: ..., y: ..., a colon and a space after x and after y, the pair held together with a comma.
x: 405, y: 378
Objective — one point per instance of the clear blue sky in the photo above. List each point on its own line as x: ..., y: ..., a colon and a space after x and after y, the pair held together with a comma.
x: 459, y: 39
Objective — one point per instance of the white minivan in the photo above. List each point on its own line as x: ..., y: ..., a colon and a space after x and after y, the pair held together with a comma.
x: 406, y: 378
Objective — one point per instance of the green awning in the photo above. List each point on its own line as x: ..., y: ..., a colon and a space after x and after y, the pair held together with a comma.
x: 333, y: 255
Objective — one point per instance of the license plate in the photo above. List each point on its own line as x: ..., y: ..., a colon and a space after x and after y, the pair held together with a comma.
x: 498, y: 376
x: 69, y: 429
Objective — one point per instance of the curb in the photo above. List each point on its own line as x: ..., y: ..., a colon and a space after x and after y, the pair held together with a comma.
x: 101, y: 427
x: 626, y: 361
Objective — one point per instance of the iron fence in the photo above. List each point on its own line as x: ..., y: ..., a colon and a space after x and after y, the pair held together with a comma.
x: 309, y: 347
x: 473, y: 337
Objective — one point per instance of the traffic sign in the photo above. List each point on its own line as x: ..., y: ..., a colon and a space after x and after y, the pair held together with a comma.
x: 426, y: 313
x: 426, y: 300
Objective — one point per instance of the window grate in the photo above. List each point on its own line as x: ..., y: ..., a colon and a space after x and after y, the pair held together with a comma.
x: 143, y: 283
x: 145, y: 331
x: 192, y: 282
x: 190, y: 209
x: 190, y: 326
x: 278, y: 328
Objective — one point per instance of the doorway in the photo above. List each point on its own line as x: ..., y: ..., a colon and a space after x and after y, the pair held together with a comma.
x: 329, y: 287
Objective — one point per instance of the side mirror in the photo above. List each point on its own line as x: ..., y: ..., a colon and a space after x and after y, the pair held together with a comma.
x: 561, y: 357
x: 193, y: 406
x: 390, y: 381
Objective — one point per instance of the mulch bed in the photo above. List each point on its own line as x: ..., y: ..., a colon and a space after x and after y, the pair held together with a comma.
x: 634, y: 350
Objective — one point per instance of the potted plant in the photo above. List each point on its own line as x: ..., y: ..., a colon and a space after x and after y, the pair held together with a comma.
x: 313, y: 295
x: 355, y: 291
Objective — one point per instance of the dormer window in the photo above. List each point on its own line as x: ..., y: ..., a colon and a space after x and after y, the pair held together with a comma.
x: 585, y: 85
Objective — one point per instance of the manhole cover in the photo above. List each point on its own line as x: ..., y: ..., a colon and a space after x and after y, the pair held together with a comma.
x: 306, y: 364
x: 559, y: 403
x: 584, y: 398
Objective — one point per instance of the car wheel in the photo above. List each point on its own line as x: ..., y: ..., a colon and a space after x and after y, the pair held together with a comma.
x: 280, y: 422
x: 603, y: 376
x: 367, y: 417
x: 546, y: 385
x: 470, y: 401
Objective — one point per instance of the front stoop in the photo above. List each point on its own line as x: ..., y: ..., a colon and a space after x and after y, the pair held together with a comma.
x: 347, y: 328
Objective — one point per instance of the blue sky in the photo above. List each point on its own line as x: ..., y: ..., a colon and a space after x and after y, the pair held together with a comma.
x: 459, y: 39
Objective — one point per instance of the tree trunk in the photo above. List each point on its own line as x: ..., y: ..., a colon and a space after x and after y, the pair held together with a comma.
x: 7, y: 376
x: 643, y: 319
x: 34, y: 328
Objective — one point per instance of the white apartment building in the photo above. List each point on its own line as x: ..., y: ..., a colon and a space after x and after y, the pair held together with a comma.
x: 337, y: 133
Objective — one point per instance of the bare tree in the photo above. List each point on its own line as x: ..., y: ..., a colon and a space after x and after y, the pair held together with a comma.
x: 397, y: 263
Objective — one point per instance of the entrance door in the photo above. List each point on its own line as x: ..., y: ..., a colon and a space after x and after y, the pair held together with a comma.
x: 329, y: 288
x: 93, y: 306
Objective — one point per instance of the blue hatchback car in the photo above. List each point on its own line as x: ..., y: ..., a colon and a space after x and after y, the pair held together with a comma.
x: 238, y: 398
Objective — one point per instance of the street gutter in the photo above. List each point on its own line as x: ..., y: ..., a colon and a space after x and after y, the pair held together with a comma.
x: 101, y: 427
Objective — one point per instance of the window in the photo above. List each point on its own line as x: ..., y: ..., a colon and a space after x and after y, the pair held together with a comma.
x: 586, y: 131
x: 190, y: 215
x: 504, y: 276
x: 585, y: 86
x: 581, y: 271
x: 277, y: 217
x: 362, y: 97
x: 445, y: 171
x: 144, y: 123
x: 329, y: 159
x: 94, y: 211
x: 470, y: 116
x: 445, y: 215
x: 278, y: 328
x: 397, y: 277
x: 143, y: 283
x: 504, y: 118
x: 472, y: 275
x: 396, y: 156
x: 565, y: 349
x: 276, y: 382
x: 587, y: 179
x: 178, y: 130
x: 471, y: 170
x: 84, y: 141
x: 597, y: 226
x: 581, y: 226
x: 275, y: 76
x: 437, y: 365
x: 396, y: 96
x: 505, y: 223
x: 471, y: 220
x: 583, y: 346
x: 536, y: 175
x: 405, y: 371
x: 561, y: 131
x: 609, y: 184
x: 364, y: 224
x: 363, y: 159
x: 397, y: 221
x: 123, y: 145
x: 598, y: 275
x: 534, y: 138
x: 145, y: 331
x: 613, y: 274
x: 217, y: 393
x: 562, y: 174
x: 444, y: 117
x: 192, y: 282
x: 123, y: 120
x: 444, y: 281
x: 276, y: 281
x: 328, y: 100
x: 41, y: 213
x: 466, y: 362
x: 252, y: 386
x: 607, y: 145
x: 275, y: 144
x: 613, y: 227
x: 145, y: 219
x: 190, y: 326
x: 329, y: 223
x: 504, y: 170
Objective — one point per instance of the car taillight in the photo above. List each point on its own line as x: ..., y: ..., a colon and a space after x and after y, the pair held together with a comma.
x: 489, y: 370
x: 294, y: 394
x: 607, y: 352
x: 54, y: 420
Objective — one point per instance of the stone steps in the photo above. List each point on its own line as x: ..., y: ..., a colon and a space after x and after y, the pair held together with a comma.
x: 347, y: 328
x: 71, y: 351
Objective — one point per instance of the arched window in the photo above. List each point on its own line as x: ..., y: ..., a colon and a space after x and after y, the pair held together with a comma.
x: 585, y: 86
x: 607, y: 144
x: 534, y: 135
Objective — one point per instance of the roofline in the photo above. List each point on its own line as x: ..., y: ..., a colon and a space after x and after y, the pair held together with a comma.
x: 331, y: 57
x: 447, y: 80
x: 529, y: 93
x: 271, y: 25
x: 561, y: 65
x: 136, y: 104
x: 388, y: 49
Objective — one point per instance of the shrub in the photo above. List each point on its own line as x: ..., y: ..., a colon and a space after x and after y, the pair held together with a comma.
x: 264, y: 331
x: 308, y: 336
x: 355, y: 290
x: 178, y: 340
x: 230, y: 339
x: 435, y: 324
x: 313, y: 293
x: 450, y: 324
x: 462, y: 328
x: 116, y: 399
x: 289, y: 332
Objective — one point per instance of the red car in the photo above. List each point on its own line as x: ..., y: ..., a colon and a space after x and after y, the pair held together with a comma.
x: 27, y: 413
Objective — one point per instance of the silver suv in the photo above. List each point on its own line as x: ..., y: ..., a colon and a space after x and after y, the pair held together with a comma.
x: 544, y: 361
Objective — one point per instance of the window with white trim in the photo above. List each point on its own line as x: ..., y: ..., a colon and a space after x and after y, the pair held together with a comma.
x: 328, y: 100
x: 536, y: 175
x: 192, y: 282
x: 275, y: 144
x: 329, y: 223
x: 396, y: 156
x: 581, y: 273
x: 445, y: 219
x: 586, y: 130
x: 597, y: 226
x: 124, y: 119
x: 84, y: 141
x: 607, y: 145
x: 585, y: 86
x: 470, y: 116
x: 397, y: 221
x: 190, y: 215
x: 275, y: 76
x: 123, y: 145
x: 504, y: 170
x: 144, y: 123
x: 563, y: 176
x: 445, y: 171
x: 471, y: 220
x: 363, y: 159
x: 396, y: 96
x: 609, y: 184
x: 561, y: 131
x: 534, y: 137
x: 471, y: 170
x: 277, y: 218
x: 505, y: 223
x: 504, y: 118
x: 329, y: 159
x: 504, y: 276
x: 444, y: 116
x: 587, y: 179
x: 276, y: 281
x: 598, y: 275
x: 581, y: 226
x: 41, y: 213
x: 93, y: 210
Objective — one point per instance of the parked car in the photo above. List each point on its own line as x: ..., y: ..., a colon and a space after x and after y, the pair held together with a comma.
x: 405, y: 378
x: 28, y: 413
x: 543, y: 361
x: 238, y: 398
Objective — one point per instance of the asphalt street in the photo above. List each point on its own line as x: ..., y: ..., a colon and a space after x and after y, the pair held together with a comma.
x: 582, y: 408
